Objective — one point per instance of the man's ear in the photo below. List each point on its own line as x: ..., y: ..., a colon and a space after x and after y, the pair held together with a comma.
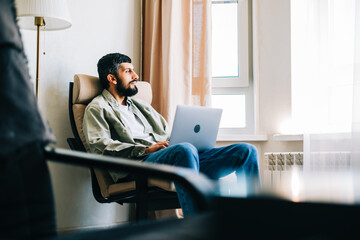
x: 112, y: 79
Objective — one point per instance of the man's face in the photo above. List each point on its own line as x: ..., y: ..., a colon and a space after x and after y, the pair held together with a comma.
x: 126, y: 80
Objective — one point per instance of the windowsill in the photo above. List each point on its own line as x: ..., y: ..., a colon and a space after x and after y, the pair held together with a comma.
x: 258, y: 137
x: 241, y: 137
x: 287, y: 137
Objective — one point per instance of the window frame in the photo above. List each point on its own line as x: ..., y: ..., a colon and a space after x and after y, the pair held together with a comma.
x: 242, y: 84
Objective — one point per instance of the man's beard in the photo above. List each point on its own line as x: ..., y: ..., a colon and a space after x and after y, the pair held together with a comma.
x: 125, y: 91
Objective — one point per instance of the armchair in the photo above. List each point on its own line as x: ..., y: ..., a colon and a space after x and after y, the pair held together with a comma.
x: 154, y: 195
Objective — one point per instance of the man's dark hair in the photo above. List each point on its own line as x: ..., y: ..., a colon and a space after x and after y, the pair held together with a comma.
x: 109, y: 64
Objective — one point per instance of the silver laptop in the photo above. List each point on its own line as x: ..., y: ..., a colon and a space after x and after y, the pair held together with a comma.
x: 196, y: 125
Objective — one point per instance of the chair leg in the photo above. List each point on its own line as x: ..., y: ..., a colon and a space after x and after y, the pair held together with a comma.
x: 141, y: 198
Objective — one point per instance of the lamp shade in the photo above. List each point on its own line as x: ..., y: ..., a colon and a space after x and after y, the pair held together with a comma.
x: 55, y: 13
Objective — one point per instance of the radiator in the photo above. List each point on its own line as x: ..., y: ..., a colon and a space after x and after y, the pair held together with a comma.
x: 278, y: 165
x: 283, y: 161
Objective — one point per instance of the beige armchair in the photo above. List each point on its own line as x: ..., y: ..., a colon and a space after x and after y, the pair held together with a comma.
x: 156, y: 195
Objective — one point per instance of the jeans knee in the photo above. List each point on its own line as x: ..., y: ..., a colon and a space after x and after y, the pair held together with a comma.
x: 186, y: 147
x: 187, y: 155
x: 248, y: 151
x: 251, y: 149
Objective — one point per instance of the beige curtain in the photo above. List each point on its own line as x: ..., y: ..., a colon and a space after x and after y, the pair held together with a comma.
x: 176, y: 44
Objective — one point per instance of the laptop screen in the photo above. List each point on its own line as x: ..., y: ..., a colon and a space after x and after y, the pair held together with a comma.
x: 196, y: 125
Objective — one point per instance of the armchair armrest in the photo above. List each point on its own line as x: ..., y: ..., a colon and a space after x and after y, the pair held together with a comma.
x: 200, y: 188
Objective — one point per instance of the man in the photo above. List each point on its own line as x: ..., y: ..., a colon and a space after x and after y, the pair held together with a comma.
x: 116, y: 124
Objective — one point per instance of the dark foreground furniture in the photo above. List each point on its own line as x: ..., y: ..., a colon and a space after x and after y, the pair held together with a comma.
x: 248, y: 218
x: 219, y: 217
x: 256, y: 217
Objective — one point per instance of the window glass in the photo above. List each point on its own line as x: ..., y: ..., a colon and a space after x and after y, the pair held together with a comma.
x: 234, y: 111
x: 224, y: 40
x: 232, y: 87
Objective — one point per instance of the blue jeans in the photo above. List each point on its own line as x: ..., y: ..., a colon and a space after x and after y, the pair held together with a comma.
x: 215, y: 163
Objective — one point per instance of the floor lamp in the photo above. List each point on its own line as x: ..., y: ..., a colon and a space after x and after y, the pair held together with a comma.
x: 45, y: 15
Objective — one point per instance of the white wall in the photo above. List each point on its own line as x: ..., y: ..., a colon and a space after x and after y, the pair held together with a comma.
x: 272, y: 71
x: 273, y: 63
x: 98, y: 27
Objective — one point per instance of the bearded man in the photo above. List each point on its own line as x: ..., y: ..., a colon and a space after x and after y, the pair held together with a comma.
x: 117, y: 124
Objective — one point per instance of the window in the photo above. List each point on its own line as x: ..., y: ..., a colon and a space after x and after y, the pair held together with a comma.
x: 232, y: 85
x: 322, y: 58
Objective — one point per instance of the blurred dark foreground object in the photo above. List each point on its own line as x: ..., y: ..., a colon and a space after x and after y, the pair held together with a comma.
x: 219, y: 217
x: 26, y: 200
x: 249, y: 218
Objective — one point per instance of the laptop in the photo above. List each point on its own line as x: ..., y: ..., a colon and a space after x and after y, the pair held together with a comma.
x: 196, y: 125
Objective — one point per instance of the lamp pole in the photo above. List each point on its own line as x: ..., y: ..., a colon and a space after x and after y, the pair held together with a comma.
x: 39, y: 22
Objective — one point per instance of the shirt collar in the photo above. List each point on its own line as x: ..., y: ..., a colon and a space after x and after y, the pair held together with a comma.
x: 110, y: 98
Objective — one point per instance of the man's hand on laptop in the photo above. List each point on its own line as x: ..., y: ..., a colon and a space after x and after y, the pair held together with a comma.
x: 156, y: 147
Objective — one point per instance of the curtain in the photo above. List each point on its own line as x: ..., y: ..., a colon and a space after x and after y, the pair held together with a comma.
x: 325, y: 36
x: 176, y: 43
x: 322, y: 39
x: 331, y: 155
x: 355, y: 147
x: 334, y: 74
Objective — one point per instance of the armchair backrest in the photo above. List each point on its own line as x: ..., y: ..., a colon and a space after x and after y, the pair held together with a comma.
x: 85, y: 89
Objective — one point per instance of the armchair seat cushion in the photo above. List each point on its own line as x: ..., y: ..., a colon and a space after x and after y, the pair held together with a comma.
x: 109, y: 188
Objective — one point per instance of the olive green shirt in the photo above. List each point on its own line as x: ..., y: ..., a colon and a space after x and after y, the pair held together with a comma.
x: 106, y: 132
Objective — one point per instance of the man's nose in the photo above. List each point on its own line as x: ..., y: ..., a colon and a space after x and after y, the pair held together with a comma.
x: 135, y: 76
